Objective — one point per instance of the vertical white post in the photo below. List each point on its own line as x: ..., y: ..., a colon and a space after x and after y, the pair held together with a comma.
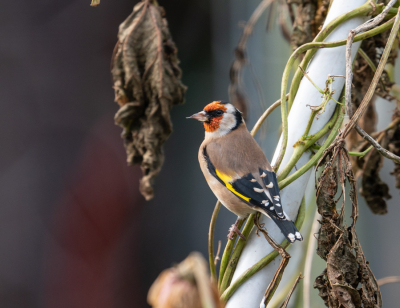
x: 326, y: 61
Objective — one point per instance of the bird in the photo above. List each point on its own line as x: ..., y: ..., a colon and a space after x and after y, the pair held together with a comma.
x: 237, y: 170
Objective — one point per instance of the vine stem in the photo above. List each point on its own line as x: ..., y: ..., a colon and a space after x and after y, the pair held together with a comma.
x: 211, y: 257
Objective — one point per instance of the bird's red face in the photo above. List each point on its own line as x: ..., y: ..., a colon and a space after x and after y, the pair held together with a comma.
x: 219, y: 118
x: 217, y: 110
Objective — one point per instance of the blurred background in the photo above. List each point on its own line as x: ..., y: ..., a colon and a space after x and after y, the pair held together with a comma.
x: 74, y: 229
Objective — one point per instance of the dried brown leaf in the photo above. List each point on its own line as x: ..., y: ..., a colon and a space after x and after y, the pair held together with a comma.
x: 147, y: 83
x: 347, y: 281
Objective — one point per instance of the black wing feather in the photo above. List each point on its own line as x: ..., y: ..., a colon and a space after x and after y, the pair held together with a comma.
x: 269, y: 179
x: 246, y: 185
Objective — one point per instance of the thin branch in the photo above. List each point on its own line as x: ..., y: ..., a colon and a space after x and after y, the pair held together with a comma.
x: 286, y: 302
x: 214, y: 216
x: 95, y: 3
x: 273, y: 285
x: 377, y: 146
x: 389, y: 279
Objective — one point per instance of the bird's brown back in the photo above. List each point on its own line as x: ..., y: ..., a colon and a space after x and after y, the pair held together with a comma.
x: 236, y: 153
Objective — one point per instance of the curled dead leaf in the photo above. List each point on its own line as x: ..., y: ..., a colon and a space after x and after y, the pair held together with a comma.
x: 147, y: 83
x: 186, y: 285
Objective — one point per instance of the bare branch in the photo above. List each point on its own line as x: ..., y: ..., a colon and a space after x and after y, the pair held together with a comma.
x: 286, y: 302
x: 279, y: 272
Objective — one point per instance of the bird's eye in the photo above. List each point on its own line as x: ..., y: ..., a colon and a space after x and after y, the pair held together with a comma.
x: 219, y: 112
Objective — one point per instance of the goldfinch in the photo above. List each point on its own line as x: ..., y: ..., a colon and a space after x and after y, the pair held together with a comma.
x: 237, y: 170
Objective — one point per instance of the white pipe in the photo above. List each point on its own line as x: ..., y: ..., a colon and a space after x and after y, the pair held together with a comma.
x: 326, y: 61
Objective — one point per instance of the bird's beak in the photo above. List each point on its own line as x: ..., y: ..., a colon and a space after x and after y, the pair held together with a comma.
x: 200, y: 116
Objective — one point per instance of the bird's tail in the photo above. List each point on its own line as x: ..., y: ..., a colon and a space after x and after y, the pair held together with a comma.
x: 288, y: 229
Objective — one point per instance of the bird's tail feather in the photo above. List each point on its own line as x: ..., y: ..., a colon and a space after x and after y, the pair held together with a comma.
x: 288, y: 229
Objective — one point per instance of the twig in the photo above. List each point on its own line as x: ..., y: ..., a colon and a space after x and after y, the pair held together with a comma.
x: 377, y: 146
x: 279, y: 272
x: 286, y: 302
x: 214, y: 216
x: 389, y: 279
x: 217, y: 258
x: 309, y: 260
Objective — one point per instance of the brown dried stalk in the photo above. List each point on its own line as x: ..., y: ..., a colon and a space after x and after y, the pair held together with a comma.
x: 147, y: 83
x: 286, y: 302
x: 273, y: 285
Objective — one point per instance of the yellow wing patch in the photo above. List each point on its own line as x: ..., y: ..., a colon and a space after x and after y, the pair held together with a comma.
x: 226, y: 178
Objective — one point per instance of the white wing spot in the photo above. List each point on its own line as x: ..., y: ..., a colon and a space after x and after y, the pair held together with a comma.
x: 263, y: 175
x: 298, y: 235
x: 272, y: 208
x: 276, y: 198
x: 270, y: 185
x: 278, y: 205
x: 259, y: 190
x: 265, y: 202
x: 291, y: 237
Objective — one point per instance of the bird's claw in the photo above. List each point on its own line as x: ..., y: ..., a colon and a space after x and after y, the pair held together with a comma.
x: 235, y: 230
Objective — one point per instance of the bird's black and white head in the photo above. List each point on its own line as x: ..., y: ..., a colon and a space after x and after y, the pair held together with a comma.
x: 219, y: 118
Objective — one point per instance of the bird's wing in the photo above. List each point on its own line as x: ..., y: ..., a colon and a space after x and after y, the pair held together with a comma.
x: 246, y: 188
x: 271, y: 183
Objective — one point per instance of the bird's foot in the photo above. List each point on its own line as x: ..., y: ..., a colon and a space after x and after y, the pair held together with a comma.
x: 235, y: 230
